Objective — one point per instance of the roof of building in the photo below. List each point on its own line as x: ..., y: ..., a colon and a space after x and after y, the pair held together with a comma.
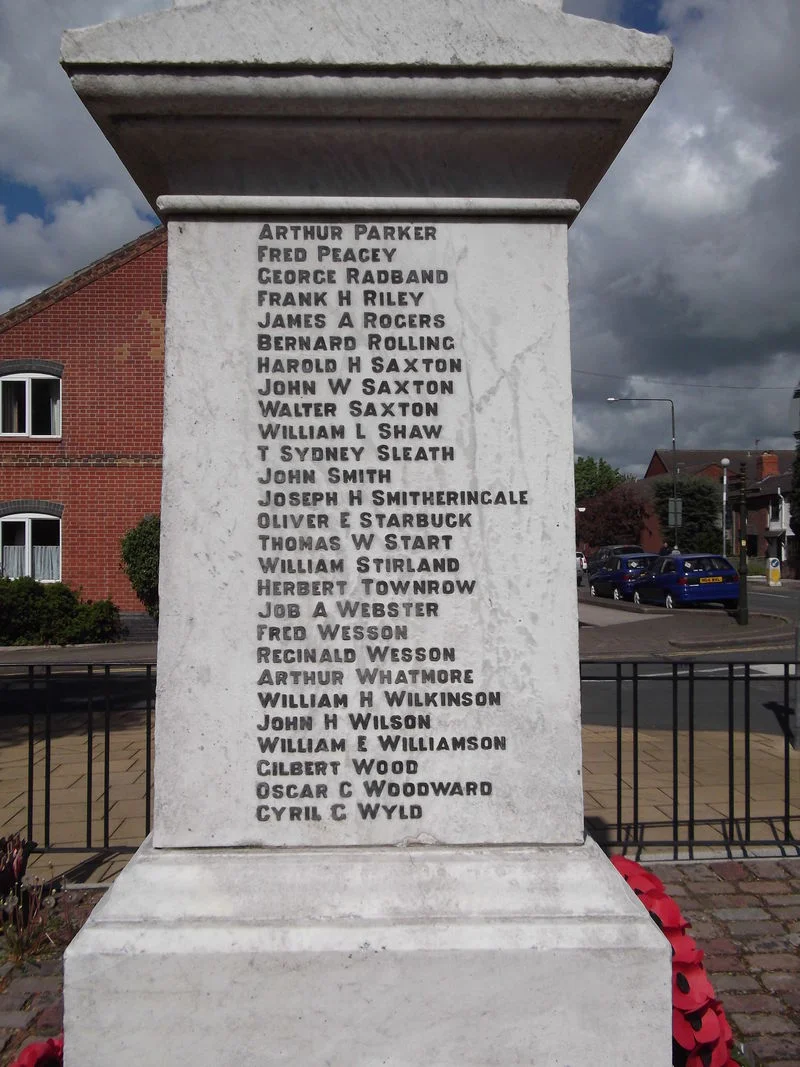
x: 694, y: 461
x: 85, y: 276
x: 774, y: 484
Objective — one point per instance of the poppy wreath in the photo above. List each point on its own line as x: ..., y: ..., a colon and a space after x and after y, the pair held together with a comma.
x: 701, y: 1036
x: 48, y: 1053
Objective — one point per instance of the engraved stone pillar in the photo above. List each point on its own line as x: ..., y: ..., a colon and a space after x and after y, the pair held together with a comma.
x: 368, y: 843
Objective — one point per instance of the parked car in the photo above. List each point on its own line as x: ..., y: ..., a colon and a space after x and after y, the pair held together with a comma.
x: 689, y: 579
x: 580, y: 565
x: 618, y: 576
x: 603, y: 554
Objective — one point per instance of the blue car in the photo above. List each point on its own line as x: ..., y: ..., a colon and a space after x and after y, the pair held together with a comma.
x: 695, y: 578
x: 618, y: 575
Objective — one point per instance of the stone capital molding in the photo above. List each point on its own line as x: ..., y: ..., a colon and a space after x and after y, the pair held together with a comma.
x: 395, y: 98
x: 172, y: 206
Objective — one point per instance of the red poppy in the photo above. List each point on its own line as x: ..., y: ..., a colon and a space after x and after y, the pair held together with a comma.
x: 691, y: 989
x: 640, y: 880
x: 48, y: 1053
x: 684, y: 947
x: 710, y: 1056
x: 694, y: 1028
x: 664, y: 910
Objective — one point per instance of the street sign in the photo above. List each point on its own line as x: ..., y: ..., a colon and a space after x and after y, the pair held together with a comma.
x: 673, y: 504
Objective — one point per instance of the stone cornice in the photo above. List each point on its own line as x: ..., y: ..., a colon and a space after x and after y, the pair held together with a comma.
x: 171, y: 206
x: 382, y: 35
x: 394, y: 98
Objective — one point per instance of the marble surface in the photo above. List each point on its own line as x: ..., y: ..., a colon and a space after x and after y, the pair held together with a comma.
x: 402, y: 207
x: 392, y: 33
x: 510, y: 628
x: 358, y: 957
x: 414, y: 98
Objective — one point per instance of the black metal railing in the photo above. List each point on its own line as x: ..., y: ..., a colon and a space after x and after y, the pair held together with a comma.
x: 76, y: 741
x: 722, y: 769
x: 677, y: 756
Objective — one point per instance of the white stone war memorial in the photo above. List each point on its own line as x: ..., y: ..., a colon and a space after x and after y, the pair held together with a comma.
x: 368, y: 843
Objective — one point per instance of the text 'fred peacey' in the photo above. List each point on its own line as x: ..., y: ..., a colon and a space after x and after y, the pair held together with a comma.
x: 366, y: 551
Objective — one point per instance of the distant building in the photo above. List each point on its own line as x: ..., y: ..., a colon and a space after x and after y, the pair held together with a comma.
x: 769, y: 478
x: 81, y: 396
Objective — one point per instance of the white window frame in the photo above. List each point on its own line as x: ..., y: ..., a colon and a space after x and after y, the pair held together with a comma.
x: 28, y: 517
x: 28, y: 377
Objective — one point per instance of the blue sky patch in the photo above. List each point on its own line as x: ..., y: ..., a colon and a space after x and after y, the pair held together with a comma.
x: 18, y: 199
x: 641, y: 15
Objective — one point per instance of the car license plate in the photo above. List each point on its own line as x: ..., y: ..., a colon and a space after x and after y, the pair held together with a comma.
x: 704, y: 580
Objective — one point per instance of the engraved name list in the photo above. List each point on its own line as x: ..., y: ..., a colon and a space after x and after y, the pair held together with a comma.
x: 370, y: 704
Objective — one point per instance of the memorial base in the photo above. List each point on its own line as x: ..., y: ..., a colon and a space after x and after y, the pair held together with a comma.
x: 441, y: 956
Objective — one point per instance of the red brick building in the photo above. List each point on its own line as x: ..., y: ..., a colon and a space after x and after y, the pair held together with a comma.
x: 81, y: 397
x: 768, y: 476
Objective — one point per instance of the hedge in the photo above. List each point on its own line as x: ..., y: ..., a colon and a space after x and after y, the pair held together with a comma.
x: 36, y: 613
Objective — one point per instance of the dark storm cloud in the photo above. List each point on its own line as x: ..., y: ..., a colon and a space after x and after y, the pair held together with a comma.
x: 685, y: 266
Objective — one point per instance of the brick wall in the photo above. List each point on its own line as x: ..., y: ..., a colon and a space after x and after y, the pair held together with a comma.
x: 106, y: 326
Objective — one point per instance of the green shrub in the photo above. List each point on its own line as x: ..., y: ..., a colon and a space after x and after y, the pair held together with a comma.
x: 20, y: 608
x: 140, y: 547
x: 35, y: 613
x: 101, y: 619
x: 700, y: 530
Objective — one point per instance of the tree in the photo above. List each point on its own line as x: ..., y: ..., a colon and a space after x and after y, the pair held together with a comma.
x: 700, y: 529
x: 140, y: 561
x: 615, y: 517
x: 595, y: 476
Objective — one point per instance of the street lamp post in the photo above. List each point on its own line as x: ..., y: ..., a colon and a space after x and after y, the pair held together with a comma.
x: 660, y: 400
x: 796, y: 708
x: 725, y: 463
x: 743, y: 614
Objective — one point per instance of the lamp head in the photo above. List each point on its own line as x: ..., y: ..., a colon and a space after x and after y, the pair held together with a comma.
x: 725, y: 462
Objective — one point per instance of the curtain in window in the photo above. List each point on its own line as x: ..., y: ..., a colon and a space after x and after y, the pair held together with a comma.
x: 13, y: 561
x: 55, y: 409
x: 13, y: 413
x: 45, y: 563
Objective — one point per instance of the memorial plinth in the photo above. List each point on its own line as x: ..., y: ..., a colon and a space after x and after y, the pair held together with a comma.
x: 368, y: 839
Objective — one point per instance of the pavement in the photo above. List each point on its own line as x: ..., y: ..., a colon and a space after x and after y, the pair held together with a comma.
x: 611, y: 631
x: 123, y: 652
x: 608, y: 633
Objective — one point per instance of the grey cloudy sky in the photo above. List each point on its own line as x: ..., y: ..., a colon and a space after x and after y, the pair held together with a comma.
x: 685, y: 264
